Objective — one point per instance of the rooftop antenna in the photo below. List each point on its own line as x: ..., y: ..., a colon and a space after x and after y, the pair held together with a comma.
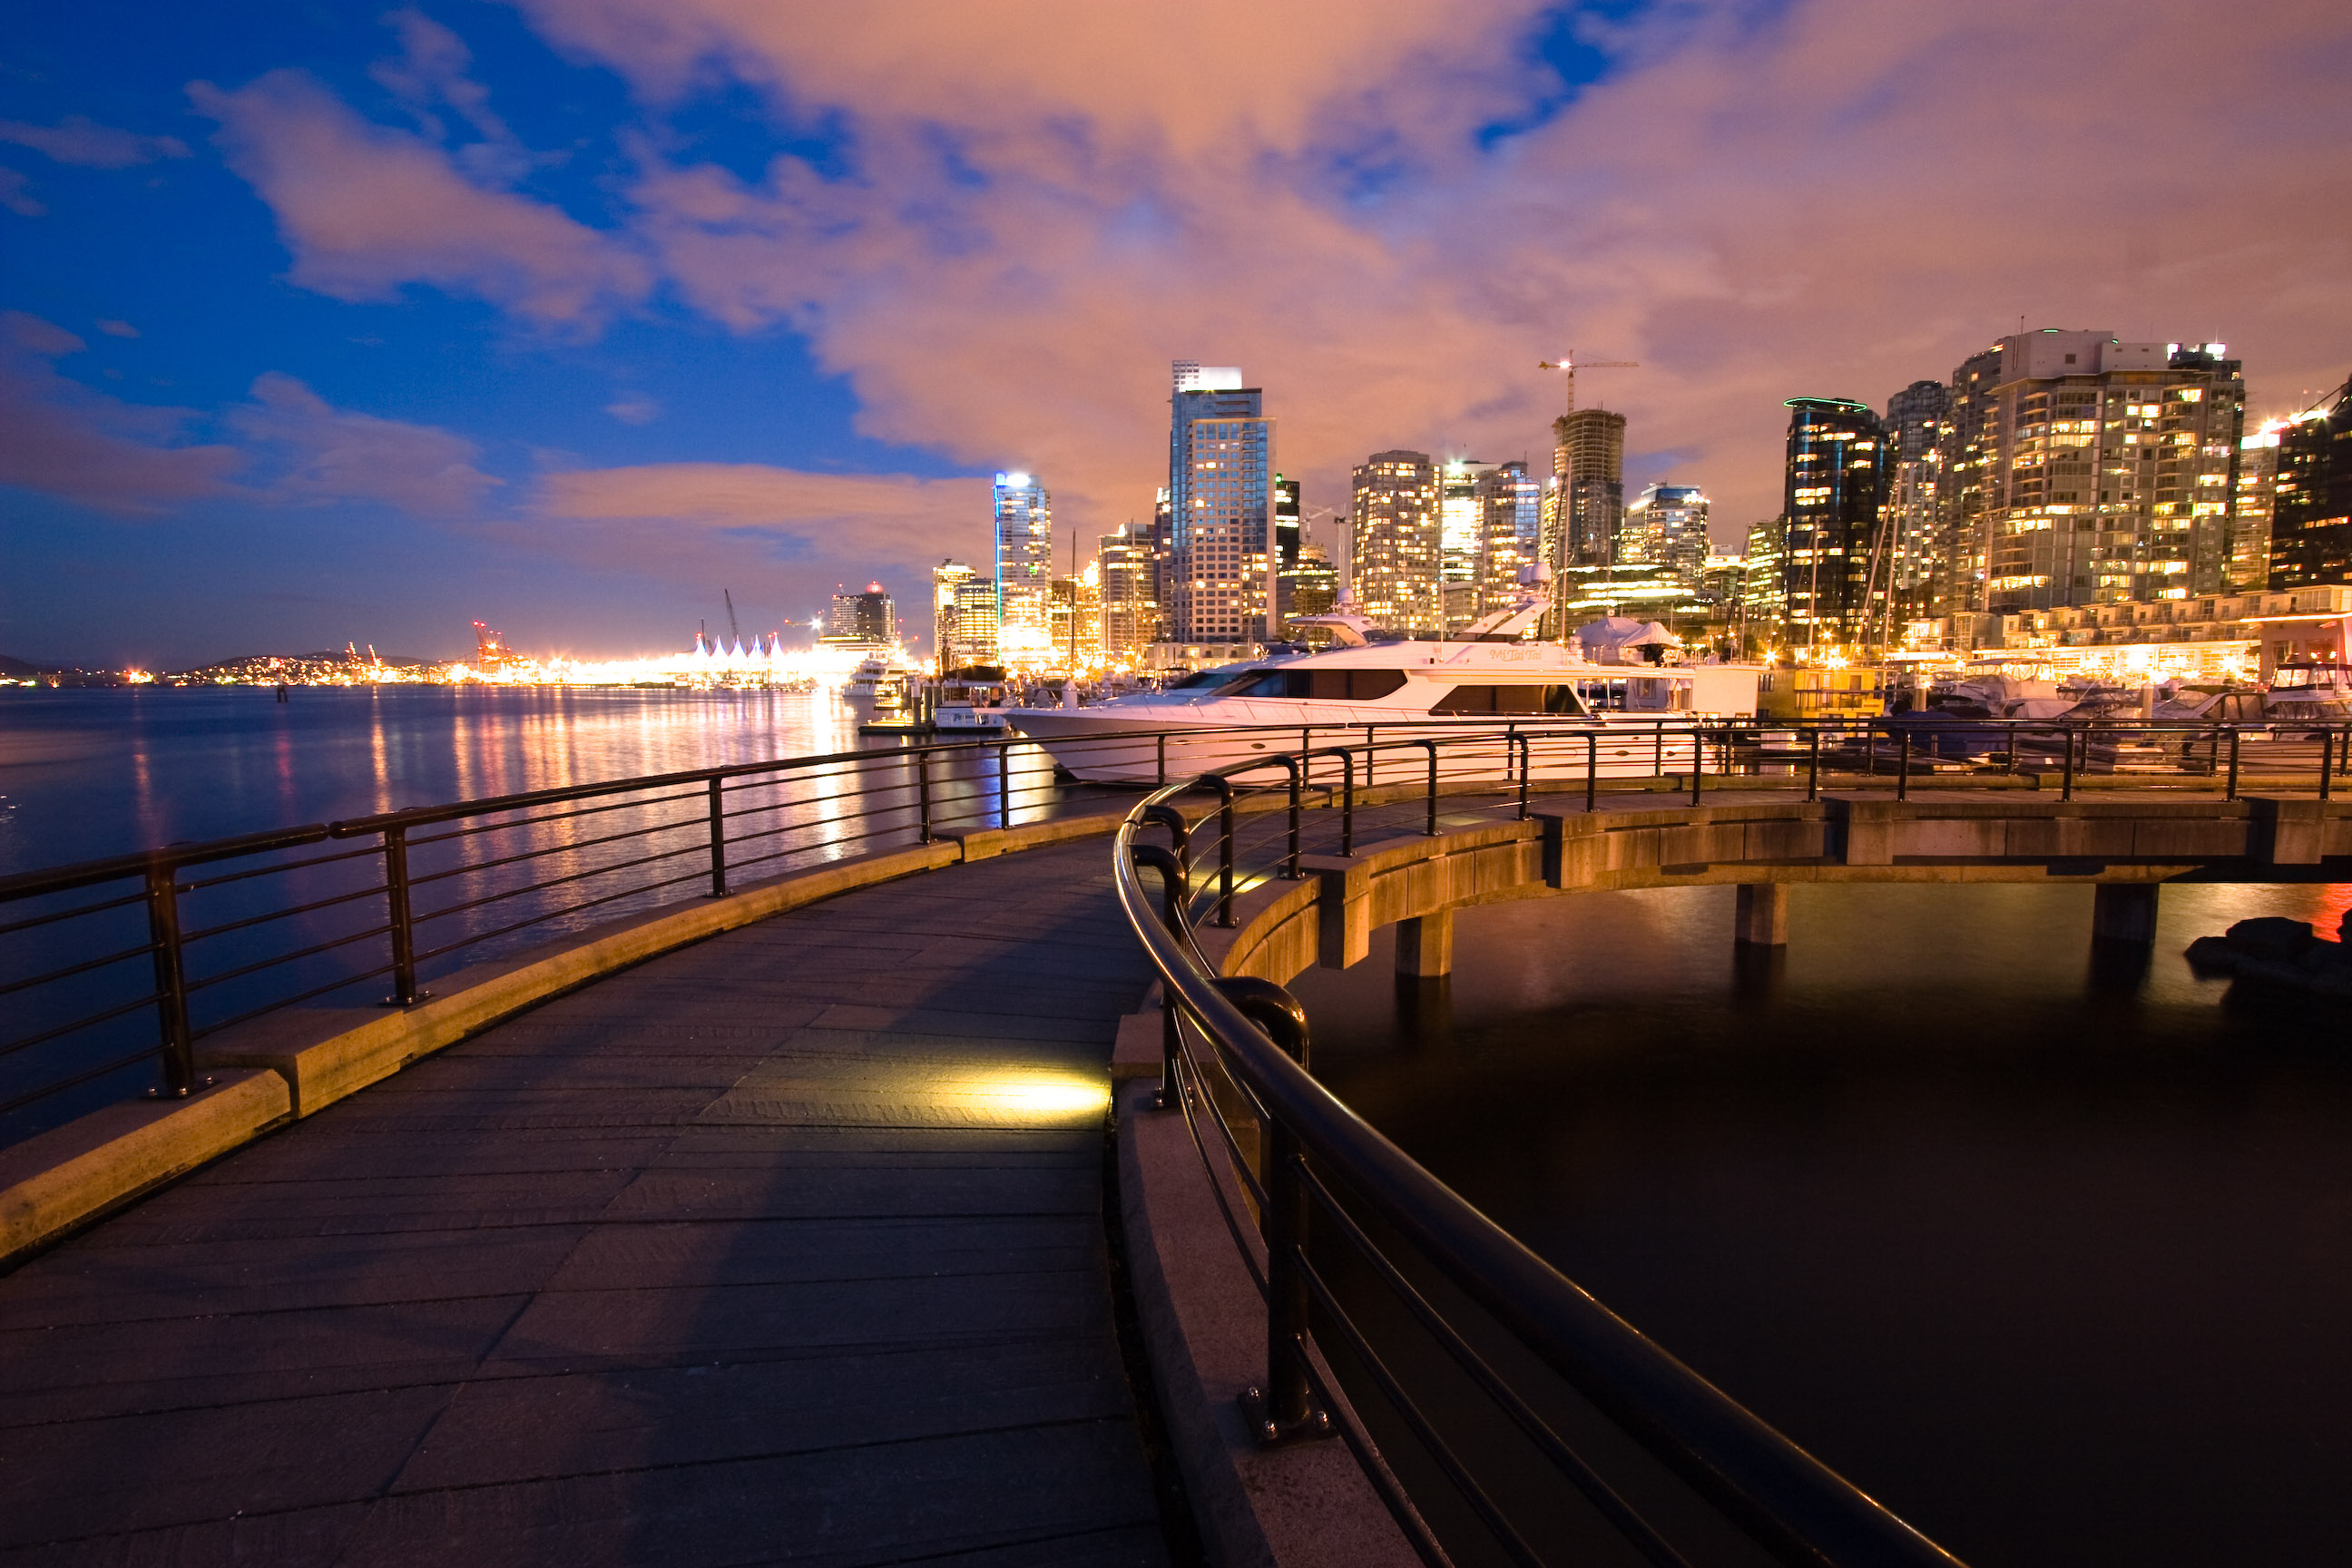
x: 1571, y: 364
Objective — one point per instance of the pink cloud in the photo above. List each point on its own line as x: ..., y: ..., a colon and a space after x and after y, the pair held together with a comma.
x: 328, y: 454
x: 62, y: 439
x: 1834, y: 197
x: 901, y: 518
x: 366, y: 209
x: 77, y: 138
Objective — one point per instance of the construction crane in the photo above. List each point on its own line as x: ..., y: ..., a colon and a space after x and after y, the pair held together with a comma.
x: 732, y: 629
x: 1571, y: 363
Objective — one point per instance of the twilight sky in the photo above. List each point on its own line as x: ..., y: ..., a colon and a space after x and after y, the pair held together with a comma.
x: 323, y: 322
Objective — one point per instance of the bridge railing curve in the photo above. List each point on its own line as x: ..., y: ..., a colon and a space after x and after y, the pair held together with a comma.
x: 1302, y: 1179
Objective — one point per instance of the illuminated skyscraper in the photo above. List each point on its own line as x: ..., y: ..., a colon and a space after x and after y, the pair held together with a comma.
x: 1915, y: 573
x: 1462, y: 509
x: 1667, y: 527
x: 1586, y: 500
x: 1396, y: 542
x: 1025, y: 570
x: 1220, y: 500
x: 2082, y: 469
x: 1511, y: 522
x: 949, y: 579
x: 1836, y: 482
x: 2310, y: 527
x: 865, y: 619
x: 1130, y: 610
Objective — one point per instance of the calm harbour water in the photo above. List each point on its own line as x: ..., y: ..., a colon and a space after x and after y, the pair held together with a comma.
x: 2054, y: 1258
x: 89, y: 773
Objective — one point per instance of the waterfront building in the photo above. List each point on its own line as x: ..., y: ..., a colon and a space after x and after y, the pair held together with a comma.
x: 863, y: 620
x: 2254, y: 495
x: 1764, y: 602
x: 1221, y: 538
x: 1510, y: 521
x: 1461, y: 508
x: 2084, y: 470
x: 2311, y: 525
x: 1585, y: 501
x: 2213, y: 637
x: 1025, y: 569
x: 1835, y: 482
x: 1286, y: 520
x: 1666, y: 527
x: 1396, y: 542
x: 1312, y: 586
x: 975, y: 621
x: 1130, y: 605
x: 949, y: 579
x: 1915, y: 573
x: 1078, y: 619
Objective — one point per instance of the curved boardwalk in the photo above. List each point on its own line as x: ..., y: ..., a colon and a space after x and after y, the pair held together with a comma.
x: 788, y: 1246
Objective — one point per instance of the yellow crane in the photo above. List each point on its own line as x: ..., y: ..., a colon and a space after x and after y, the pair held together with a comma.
x: 1571, y: 363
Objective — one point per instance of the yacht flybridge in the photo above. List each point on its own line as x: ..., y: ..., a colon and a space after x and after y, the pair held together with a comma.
x: 1491, y: 676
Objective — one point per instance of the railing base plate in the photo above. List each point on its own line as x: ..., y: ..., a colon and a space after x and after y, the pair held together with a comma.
x: 1268, y: 1432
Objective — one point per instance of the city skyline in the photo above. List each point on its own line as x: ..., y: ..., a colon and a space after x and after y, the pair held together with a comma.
x: 571, y: 315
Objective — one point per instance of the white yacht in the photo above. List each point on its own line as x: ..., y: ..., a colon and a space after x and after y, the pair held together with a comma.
x: 1492, y: 678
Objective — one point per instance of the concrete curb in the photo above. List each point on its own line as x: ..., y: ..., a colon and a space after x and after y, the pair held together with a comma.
x: 292, y: 1064
x: 96, y: 1163
x: 1310, y: 1505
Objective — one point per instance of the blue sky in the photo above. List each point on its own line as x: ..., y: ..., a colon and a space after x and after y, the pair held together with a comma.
x: 327, y: 322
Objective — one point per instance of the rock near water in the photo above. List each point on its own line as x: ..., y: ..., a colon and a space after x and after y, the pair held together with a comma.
x: 2275, y: 951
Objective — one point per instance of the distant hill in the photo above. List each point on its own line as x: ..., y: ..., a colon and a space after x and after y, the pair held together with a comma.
x: 20, y: 669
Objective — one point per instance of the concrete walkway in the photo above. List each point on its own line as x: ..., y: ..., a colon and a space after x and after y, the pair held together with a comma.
x: 788, y: 1246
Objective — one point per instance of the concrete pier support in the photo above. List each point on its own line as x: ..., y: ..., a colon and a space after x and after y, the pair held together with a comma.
x: 1763, y: 914
x: 1424, y: 945
x: 2124, y: 911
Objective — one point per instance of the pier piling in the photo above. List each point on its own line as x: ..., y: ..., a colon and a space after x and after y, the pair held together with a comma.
x: 1762, y: 917
x: 1424, y: 945
x: 2124, y: 911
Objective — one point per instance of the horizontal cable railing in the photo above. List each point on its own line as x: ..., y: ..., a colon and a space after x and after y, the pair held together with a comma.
x: 1357, y: 1250
x: 193, y: 939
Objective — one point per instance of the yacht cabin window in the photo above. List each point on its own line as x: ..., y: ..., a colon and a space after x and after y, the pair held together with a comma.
x: 1324, y: 685
x: 1519, y: 698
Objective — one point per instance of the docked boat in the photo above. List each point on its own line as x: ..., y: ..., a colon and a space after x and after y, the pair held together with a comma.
x: 968, y: 702
x: 876, y: 686
x: 1359, y: 688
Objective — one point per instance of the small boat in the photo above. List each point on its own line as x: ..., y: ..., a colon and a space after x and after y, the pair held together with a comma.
x: 973, y: 701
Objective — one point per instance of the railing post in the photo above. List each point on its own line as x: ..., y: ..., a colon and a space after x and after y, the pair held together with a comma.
x: 2066, y: 773
x: 718, y: 841
x: 1162, y: 741
x: 1591, y: 769
x: 923, y: 793
x: 1658, y: 762
x: 2011, y: 768
x: 1698, y: 761
x: 1371, y: 752
x: 1005, y: 783
x: 1297, y: 767
x: 2232, y: 794
x: 1283, y: 1409
x: 1813, y: 776
x: 176, y: 1039
x: 1526, y: 769
x: 1226, y: 852
x: 1902, y: 764
x: 2327, y: 760
x: 1174, y: 876
x: 404, y: 993
x: 1432, y: 787
x: 1348, y: 799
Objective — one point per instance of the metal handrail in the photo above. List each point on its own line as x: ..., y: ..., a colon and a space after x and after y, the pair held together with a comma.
x: 576, y: 857
x: 1781, y: 1496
